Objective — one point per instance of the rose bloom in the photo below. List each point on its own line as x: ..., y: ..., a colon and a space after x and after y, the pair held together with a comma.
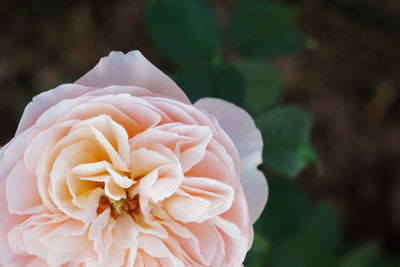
x: 120, y: 169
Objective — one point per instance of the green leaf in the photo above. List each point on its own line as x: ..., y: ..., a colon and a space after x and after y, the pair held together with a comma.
x: 286, y: 135
x: 203, y: 78
x: 286, y: 212
x: 364, y: 256
x: 182, y: 29
x: 324, y: 227
x: 264, y: 85
x: 264, y: 29
x: 301, y: 251
x: 258, y: 254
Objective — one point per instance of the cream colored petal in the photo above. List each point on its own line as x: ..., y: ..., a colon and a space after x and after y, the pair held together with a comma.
x: 188, y: 142
x: 112, y: 132
x: 90, y: 169
x: 95, y: 178
x: 120, y: 180
x: 45, y: 164
x: 227, y: 227
x: 9, y: 250
x: 23, y: 199
x: 219, y: 195
x: 187, y: 209
x: 176, y: 111
x: 93, y: 109
x: 40, y: 145
x: 144, y: 259
x: 247, y: 139
x: 101, y: 233
x: 113, y: 191
x: 144, y: 161
x: 193, y: 155
x: 126, y: 231
x: 12, y: 152
x: 160, y: 183
x: 114, y: 156
x: 33, y: 230
x: 143, y: 113
x: 72, y: 243
x: 207, y: 237
x: 153, y: 246
x: 50, y: 99
x: 115, y: 256
x: 58, y: 187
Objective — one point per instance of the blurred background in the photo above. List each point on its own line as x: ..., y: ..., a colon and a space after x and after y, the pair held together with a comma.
x: 320, y: 77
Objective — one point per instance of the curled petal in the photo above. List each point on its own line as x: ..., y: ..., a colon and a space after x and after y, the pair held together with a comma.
x: 247, y: 139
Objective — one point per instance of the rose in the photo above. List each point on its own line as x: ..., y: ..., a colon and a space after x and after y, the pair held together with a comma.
x: 119, y: 169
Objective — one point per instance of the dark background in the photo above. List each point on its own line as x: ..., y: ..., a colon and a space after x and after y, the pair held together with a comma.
x: 347, y: 74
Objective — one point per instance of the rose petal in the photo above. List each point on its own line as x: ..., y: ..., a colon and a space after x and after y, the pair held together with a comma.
x: 187, y: 209
x: 12, y: 152
x: 131, y: 69
x: 207, y: 237
x: 126, y: 231
x: 92, y: 110
x: 144, y: 161
x: 2, y: 150
x: 113, y: 191
x: 48, y: 99
x: 153, y: 246
x: 8, y: 221
x: 90, y: 169
x: 247, y: 139
x: 220, y: 195
x: 22, y: 199
x: 115, y: 158
x: 100, y: 232
x: 121, y: 180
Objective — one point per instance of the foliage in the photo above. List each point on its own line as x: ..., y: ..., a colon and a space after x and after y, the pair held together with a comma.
x: 183, y: 29
x: 264, y: 85
x: 291, y: 231
x: 286, y: 132
x: 203, y: 78
x: 264, y: 28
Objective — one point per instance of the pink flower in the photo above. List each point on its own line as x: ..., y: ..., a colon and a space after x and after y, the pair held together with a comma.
x: 120, y: 169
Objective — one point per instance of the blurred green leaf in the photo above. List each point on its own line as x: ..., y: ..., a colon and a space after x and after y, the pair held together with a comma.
x: 286, y: 212
x: 324, y: 227
x: 264, y: 28
x: 364, y: 256
x: 264, y: 85
x: 258, y: 254
x: 301, y: 251
x: 203, y: 78
x: 286, y: 135
x: 182, y: 29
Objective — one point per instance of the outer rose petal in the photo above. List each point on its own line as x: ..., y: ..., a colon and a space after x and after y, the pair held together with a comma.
x: 46, y: 100
x: 131, y: 69
x: 248, y: 141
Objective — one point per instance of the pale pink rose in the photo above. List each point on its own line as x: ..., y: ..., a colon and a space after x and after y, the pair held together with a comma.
x: 120, y: 169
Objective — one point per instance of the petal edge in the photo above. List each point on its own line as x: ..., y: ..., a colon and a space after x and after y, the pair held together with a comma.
x: 248, y: 141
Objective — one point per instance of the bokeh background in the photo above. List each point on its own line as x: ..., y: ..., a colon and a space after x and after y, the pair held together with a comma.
x: 320, y: 77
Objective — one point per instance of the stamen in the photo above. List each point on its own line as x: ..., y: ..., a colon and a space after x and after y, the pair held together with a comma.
x: 104, y: 204
x: 129, y: 205
x: 132, y: 205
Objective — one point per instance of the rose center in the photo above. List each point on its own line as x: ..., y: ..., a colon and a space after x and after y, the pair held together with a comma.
x: 128, y: 205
